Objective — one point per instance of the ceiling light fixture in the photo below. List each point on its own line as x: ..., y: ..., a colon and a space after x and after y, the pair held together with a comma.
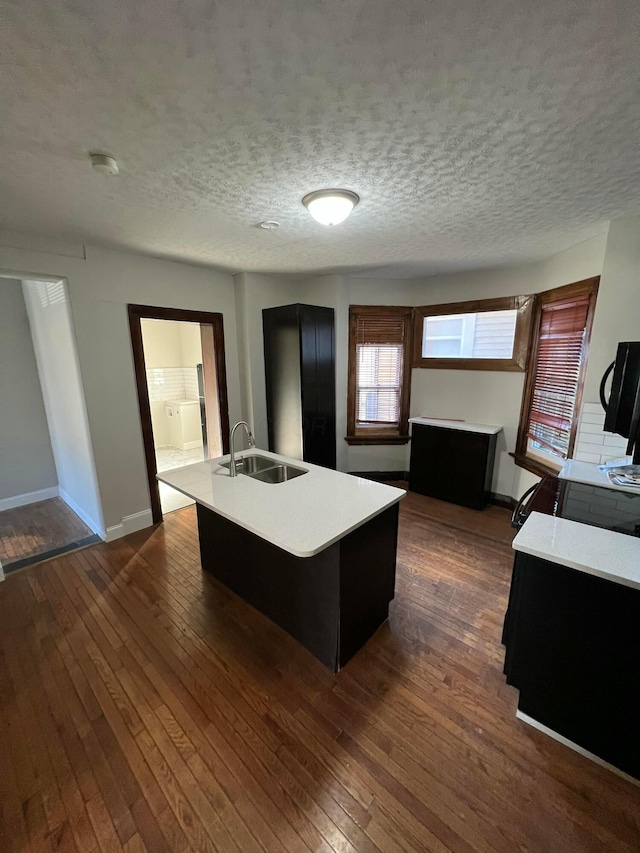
x: 330, y: 207
x: 104, y: 164
x: 270, y: 224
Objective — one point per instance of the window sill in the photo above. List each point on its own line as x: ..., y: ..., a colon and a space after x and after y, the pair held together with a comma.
x: 377, y: 438
x: 534, y: 465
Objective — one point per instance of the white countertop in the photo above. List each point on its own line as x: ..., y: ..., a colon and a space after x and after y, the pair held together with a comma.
x: 599, y: 552
x: 303, y: 516
x: 487, y: 429
x: 589, y: 473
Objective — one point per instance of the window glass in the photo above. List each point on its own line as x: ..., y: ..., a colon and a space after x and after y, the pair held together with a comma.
x: 486, y: 334
x: 379, y: 374
x: 553, y: 389
x: 379, y: 383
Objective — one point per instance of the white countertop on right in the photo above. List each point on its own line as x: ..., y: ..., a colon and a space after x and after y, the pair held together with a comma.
x: 464, y: 426
x: 589, y: 473
x: 603, y: 553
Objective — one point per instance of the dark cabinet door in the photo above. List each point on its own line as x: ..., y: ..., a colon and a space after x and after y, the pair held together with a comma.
x: 573, y: 646
x: 300, y: 382
x: 317, y: 367
x: 452, y: 465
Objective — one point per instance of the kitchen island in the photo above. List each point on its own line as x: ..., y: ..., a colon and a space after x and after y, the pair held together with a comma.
x: 315, y: 553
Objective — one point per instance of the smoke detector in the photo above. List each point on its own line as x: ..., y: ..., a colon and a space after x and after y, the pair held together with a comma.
x: 104, y: 164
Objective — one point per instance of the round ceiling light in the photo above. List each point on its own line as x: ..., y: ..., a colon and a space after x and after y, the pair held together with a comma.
x: 270, y: 225
x: 104, y: 164
x: 330, y: 207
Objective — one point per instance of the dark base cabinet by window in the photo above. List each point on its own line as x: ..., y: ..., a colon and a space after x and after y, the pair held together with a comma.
x: 300, y: 382
x: 452, y: 465
x: 573, y: 651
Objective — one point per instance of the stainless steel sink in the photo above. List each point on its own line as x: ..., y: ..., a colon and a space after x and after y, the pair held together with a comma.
x: 265, y: 469
x: 278, y: 474
x: 251, y: 464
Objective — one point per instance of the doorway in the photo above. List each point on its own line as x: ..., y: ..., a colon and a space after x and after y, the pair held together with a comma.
x: 181, y: 381
x: 49, y: 497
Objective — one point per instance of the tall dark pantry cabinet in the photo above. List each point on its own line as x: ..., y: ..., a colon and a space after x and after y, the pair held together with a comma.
x: 299, y: 358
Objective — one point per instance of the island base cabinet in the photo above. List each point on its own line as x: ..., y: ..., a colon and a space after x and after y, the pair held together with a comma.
x: 331, y: 602
x: 572, y: 650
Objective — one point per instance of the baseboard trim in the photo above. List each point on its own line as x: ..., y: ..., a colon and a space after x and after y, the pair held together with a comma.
x: 503, y: 501
x: 191, y: 445
x: 91, y: 524
x: 381, y: 476
x: 384, y: 476
x: 130, y: 524
x: 29, y: 498
x: 575, y: 747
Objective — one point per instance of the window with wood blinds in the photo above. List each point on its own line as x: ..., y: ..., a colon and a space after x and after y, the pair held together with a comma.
x: 379, y: 374
x: 553, y: 391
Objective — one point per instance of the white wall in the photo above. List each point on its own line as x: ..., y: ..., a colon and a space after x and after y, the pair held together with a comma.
x: 169, y: 347
x: 473, y: 395
x: 254, y: 293
x: 169, y: 343
x: 190, y: 344
x: 479, y: 396
x: 47, y: 305
x: 101, y: 282
x: 161, y: 343
x: 26, y: 457
x: 617, y: 315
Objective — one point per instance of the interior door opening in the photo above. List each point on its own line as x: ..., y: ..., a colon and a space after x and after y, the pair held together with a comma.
x: 179, y: 363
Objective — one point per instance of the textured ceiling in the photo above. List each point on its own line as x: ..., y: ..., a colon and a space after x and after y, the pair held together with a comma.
x: 478, y: 132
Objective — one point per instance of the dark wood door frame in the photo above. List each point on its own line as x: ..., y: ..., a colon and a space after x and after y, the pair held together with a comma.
x: 151, y: 312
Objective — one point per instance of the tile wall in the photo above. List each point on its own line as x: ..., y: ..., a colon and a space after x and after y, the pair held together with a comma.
x: 172, y: 383
x: 592, y: 443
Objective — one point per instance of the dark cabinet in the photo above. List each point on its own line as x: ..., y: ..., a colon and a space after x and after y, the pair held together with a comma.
x: 299, y: 357
x: 572, y: 650
x: 452, y: 465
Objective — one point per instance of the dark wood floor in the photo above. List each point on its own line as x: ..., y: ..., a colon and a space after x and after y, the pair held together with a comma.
x: 144, y: 707
x: 35, y: 529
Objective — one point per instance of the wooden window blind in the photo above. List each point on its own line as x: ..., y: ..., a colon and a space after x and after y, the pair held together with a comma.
x: 379, y: 353
x: 557, y: 373
x: 553, y: 389
x: 379, y: 371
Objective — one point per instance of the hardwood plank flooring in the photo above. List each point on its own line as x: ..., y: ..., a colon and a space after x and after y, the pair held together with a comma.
x: 144, y: 707
x: 31, y: 533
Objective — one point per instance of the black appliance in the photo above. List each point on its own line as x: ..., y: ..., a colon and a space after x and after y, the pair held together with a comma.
x: 611, y: 509
x: 299, y: 360
x: 623, y: 406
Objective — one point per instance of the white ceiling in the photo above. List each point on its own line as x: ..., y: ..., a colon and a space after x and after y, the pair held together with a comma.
x: 477, y: 132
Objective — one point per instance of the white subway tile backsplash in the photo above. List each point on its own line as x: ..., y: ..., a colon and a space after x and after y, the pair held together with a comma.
x: 172, y: 383
x: 617, y: 442
x: 587, y: 457
x: 593, y: 444
x: 593, y: 418
x: 594, y: 428
x: 594, y: 439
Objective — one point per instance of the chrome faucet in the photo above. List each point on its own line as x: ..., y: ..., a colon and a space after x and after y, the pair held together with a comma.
x: 252, y: 443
